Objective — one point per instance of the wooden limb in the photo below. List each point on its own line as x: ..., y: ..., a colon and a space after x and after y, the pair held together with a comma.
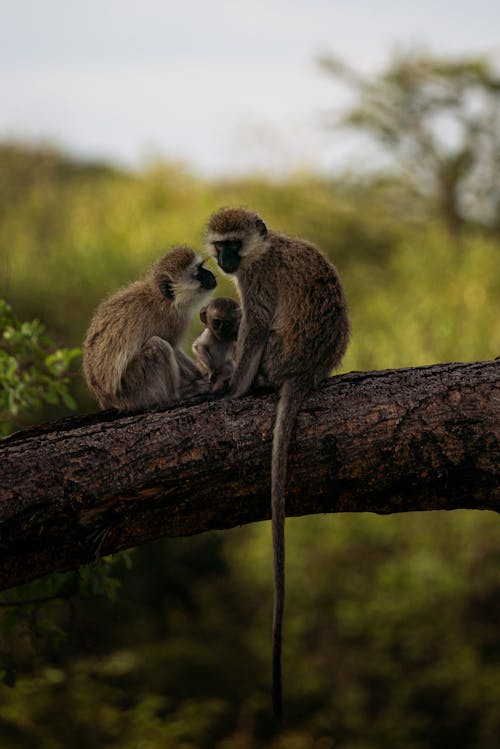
x: 410, y: 439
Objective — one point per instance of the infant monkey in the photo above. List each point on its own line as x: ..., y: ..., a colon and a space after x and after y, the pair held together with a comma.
x: 215, y: 346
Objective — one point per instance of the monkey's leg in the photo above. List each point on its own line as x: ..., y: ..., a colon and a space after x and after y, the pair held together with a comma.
x: 191, y: 379
x: 250, y: 347
x: 187, y: 366
x: 152, y: 377
x: 204, y: 360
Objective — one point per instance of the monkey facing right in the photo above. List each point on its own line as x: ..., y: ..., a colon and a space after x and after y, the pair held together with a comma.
x: 294, y: 330
x: 131, y: 354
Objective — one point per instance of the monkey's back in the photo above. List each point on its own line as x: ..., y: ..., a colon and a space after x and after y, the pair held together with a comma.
x: 310, y: 327
x: 121, y: 325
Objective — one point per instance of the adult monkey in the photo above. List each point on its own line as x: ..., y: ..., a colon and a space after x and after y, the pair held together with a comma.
x: 294, y: 331
x: 131, y: 354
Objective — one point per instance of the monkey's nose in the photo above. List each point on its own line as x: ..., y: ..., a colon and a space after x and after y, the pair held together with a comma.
x: 207, y: 279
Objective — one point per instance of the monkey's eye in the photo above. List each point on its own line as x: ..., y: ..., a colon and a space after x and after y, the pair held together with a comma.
x: 216, y: 323
x: 232, y: 246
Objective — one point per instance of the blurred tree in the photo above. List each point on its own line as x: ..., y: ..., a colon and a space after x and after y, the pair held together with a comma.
x: 440, y: 119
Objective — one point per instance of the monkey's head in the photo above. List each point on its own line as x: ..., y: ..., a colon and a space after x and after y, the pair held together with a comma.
x: 236, y: 237
x: 180, y: 276
x: 222, y: 316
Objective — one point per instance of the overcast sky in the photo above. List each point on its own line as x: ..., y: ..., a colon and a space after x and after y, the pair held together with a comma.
x: 223, y: 86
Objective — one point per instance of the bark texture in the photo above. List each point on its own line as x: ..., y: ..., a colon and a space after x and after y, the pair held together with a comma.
x: 410, y: 439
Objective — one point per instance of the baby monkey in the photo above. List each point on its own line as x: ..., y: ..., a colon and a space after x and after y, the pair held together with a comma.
x: 215, y: 346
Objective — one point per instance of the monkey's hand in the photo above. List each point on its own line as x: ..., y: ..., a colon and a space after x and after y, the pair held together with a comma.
x: 220, y: 386
x: 194, y: 388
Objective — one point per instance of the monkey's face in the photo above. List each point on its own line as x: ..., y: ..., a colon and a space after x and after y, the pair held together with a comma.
x: 228, y: 254
x: 193, y: 282
x: 222, y: 317
x: 205, y: 278
x: 184, y: 284
x: 224, y: 326
x: 236, y: 237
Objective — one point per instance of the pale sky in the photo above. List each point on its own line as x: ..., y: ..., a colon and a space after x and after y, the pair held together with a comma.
x: 222, y: 86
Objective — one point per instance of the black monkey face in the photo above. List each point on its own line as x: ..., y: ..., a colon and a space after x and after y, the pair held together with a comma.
x: 206, y: 278
x: 228, y: 254
x: 224, y: 329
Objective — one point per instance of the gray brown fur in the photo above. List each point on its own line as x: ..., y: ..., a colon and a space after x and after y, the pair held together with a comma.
x: 214, y: 348
x: 131, y: 358
x: 293, y: 332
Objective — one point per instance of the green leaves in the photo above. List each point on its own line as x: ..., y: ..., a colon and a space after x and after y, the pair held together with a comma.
x: 32, y: 371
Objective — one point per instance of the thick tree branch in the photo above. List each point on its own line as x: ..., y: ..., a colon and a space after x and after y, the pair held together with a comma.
x: 409, y: 439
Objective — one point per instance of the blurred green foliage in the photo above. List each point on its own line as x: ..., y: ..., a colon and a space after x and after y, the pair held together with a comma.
x: 392, y: 625
x: 32, y: 370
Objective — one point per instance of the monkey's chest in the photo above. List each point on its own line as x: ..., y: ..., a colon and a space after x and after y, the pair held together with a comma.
x: 170, y: 330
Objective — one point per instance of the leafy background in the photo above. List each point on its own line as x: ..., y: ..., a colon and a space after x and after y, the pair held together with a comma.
x: 392, y: 626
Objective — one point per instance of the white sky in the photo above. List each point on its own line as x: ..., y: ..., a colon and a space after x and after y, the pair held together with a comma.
x: 223, y: 86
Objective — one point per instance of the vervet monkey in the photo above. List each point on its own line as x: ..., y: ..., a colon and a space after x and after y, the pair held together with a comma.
x: 294, y: 331
x: 215, y: 346
x: 131, y: 358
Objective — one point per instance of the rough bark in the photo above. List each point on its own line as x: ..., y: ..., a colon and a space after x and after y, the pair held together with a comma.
x: 393, y: 441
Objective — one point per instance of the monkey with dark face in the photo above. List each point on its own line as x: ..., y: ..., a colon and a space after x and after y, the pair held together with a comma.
x: 294, y: 331
x: 131, y: 354
x: 215, y: 346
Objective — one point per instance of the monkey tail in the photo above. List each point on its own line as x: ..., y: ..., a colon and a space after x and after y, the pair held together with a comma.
x: 291, y: 397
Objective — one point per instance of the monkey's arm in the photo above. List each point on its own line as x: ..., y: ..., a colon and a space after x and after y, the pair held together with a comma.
x: 204, y: 359
x: 251, y: 342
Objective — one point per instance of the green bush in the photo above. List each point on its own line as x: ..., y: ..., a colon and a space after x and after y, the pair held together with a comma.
x: 32, y: 371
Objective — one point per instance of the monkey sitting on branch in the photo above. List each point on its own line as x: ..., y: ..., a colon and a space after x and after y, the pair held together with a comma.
x: 131, y: 354
x: 293, y: 332
x: 214, y: 348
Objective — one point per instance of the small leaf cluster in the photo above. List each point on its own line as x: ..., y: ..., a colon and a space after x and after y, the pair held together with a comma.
x: 33, y: 372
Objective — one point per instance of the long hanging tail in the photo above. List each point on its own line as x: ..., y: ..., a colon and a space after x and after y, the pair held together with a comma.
x: 291, y: 397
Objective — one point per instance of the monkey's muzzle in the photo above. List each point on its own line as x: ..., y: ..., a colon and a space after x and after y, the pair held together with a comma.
x: 206, y: 278
x: 228, y: 254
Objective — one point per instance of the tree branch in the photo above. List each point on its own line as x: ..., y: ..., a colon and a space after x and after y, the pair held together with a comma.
x: 409, y: 439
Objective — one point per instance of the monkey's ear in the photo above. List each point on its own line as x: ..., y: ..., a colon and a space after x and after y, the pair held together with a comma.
x: 203, y: 315
x: 261, y: 227
x: 166, y: 288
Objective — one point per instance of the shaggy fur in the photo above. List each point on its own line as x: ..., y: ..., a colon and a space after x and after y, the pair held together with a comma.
x: 130, y: 354
x: 293, y: 332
